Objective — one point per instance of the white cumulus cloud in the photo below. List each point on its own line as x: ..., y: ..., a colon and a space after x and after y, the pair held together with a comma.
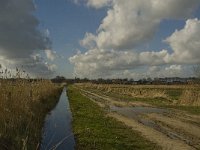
x: 98, y: 3
x: 99, y: 63
x: 129, y: 23
x: 185, y: 43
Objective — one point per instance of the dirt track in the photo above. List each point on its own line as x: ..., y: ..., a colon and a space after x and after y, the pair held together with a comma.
x: 170, y: 129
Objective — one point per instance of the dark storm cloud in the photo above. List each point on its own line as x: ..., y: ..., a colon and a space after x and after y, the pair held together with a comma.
x: 19, y: 35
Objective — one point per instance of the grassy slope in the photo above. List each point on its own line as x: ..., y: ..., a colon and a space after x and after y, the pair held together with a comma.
x: 93, y: 130
x: 26, y: 131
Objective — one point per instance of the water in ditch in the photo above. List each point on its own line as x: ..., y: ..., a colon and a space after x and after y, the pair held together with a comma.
x: 57, y: 131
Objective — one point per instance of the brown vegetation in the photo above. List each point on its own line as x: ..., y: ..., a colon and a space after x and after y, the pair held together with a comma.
x: 23, y: 106
x: 191, y: 96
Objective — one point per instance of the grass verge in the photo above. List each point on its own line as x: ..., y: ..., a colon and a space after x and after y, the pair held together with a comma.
x: 94, y: 130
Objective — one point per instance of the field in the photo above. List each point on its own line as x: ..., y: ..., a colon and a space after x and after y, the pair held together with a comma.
x: 167, y: 115
x: 23, y: 106
x: 104, y: 116
x: 93, y: 129
x: 179, y: 96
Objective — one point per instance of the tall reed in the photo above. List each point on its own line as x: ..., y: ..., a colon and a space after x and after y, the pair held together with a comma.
x: 23, y: 106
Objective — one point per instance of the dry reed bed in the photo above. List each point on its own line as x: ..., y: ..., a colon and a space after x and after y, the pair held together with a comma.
x: 191, y: 96
x: 23, y: 106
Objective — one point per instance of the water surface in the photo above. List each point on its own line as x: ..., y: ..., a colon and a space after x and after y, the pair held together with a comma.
x: 57, y: 128
x: 138, y: 110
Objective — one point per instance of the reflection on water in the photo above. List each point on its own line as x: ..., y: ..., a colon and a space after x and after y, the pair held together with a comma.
x: 57, y: 129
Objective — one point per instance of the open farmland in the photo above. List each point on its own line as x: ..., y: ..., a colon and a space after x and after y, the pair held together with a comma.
x: 168, y: 115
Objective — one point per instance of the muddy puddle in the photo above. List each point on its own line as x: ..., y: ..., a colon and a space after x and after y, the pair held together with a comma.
x: 140, y: 114
x: 138, y: 110
x: 137, y: 113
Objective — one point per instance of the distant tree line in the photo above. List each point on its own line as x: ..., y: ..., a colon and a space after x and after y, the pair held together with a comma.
x: 167, y: 80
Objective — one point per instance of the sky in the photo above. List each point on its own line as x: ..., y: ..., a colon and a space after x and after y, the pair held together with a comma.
x: 100, y: 38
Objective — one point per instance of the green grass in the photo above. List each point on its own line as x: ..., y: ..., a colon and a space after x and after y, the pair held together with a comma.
x: 95, y: 131
x: 174, y: 93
